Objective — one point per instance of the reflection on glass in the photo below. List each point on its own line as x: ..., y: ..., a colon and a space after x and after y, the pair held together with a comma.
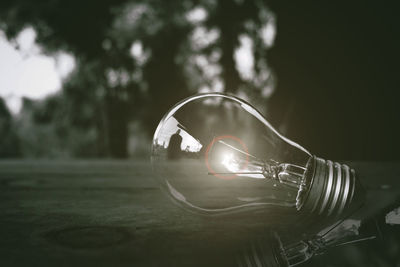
x: 214, y: 153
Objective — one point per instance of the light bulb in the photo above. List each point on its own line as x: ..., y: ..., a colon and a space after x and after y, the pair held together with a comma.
x: 270, y: 249
x: 216, y: 154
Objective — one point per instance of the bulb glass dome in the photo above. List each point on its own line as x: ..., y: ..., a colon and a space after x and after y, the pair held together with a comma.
x: 215, y: 154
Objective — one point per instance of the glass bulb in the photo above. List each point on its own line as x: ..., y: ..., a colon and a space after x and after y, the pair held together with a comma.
x: 216, y: 154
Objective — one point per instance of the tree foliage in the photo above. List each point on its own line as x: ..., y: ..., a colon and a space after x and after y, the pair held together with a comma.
x: 135, y: 59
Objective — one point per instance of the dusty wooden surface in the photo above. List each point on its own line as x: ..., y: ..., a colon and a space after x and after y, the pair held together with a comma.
x: 111, y: 213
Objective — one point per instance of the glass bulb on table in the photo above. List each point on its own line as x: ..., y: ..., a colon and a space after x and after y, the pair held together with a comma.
x: 216, y: 154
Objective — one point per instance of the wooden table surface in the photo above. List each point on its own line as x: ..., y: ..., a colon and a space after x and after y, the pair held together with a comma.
x: 111, y: 213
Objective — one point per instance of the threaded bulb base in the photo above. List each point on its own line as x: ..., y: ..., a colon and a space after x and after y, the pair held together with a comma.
x: 330, y: 189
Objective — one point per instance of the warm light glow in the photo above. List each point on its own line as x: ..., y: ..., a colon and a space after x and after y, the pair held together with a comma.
x: 230, y: 163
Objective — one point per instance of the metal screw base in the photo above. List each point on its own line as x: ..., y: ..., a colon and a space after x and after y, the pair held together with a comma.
x: 331, y: 188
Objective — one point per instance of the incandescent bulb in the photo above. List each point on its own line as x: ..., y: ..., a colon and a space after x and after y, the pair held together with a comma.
x: 215, y: 154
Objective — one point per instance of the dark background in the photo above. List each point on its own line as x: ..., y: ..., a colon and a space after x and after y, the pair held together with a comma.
x: 338, y: 63
x: 335, y: 63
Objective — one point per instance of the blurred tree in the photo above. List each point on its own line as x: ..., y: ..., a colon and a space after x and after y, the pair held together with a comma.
x: 9, y: 145
x: 135, y: 59
x: 227, y: 49
x: 44, y: 130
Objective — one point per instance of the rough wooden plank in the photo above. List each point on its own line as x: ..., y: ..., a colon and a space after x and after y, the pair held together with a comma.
x: 108, y: 213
